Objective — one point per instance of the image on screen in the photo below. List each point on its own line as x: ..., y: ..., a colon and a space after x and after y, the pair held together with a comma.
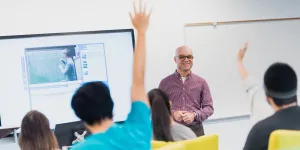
x: 52, y: 64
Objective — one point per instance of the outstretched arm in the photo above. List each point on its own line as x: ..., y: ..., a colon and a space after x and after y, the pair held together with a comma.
x: 140, y: 21
x: 242, y: 70
x: 259, y: 108
x: 138, y: 124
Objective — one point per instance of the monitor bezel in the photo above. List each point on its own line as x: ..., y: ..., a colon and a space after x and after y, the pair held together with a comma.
x: 22, y: 36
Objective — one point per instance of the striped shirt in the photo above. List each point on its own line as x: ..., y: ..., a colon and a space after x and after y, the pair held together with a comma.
x: 193, y: 95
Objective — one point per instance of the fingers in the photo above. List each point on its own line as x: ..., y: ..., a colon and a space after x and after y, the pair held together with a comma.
x: 134, y: 7
x: 141, y: 1
x: 131, y: 17
x: 178, y: 119
x: 183, y: 112
x: 244, y: 48
x: 150, y: 12
x: 186, y: 119
x: 145, y: 8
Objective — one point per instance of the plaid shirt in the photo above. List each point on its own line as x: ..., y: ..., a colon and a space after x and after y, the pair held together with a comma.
x: 192, y: 95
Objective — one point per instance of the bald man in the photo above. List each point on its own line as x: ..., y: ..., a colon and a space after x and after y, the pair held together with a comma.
x: 189, y: 94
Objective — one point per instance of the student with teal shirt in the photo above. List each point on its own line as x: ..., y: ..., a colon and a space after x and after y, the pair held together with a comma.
x: 93, y: 104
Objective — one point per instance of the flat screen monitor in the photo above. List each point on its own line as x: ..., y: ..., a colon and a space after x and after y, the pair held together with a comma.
x: 42, y: 71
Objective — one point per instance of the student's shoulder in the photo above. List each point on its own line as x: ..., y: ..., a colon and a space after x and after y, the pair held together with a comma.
x: 265, y: 125
x: 88, y: 144
x: 179, y: 126
x: 140, y: 105
x: 140, y: 112
x: 182, y: 128
x: 182, y: 132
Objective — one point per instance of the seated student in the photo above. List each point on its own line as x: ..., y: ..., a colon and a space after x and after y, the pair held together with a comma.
x: 259, y: 108
x: 36, y: 133
x: 164, y: 127
x: 93, y: 104
x: 280, y: 85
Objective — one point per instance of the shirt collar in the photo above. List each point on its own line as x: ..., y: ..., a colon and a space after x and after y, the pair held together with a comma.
x: 188, y: 76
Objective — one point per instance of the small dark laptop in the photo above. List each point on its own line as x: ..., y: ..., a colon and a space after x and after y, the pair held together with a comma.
x: 65, y: 133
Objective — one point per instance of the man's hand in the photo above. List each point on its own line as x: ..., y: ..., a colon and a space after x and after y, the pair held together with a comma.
x: 188, y: 117
x: 242, y: 52
x: 140, y: 20
x: 178, y: 115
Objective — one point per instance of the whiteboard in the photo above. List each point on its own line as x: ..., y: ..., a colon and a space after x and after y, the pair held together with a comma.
x: 215, y: 49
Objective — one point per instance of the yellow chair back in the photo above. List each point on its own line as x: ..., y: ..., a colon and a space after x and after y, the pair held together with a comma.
x: 284, y: 140
x: 209, y: 142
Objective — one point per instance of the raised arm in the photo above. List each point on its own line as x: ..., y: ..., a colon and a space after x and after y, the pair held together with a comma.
x: 259, y: 107
x: 242, y: 70
x: 140, y: 22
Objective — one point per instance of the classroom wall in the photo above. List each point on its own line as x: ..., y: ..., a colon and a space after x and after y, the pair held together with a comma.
x: 165, y: 32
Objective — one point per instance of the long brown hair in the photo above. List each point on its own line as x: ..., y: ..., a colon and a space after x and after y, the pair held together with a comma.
x: 161, y: 115
x: 36, y: 133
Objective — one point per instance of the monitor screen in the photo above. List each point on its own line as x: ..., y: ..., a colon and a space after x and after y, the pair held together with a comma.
x: 41, y: 72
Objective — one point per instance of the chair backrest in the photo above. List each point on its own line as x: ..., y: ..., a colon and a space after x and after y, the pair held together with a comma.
x: 209, y: 142
x: 284, y: 140
x: 173, y: 146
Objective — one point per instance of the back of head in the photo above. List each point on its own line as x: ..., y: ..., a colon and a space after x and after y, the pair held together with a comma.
x: 69, y: 53
x: 92, y: 103
x: 281, y: 84
x: 161, y: 114
x: 36, y: 133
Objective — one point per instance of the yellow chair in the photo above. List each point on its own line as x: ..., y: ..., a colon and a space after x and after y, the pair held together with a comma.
x: 284, y: 140
x: 173, y: 146
x: 207, y: 142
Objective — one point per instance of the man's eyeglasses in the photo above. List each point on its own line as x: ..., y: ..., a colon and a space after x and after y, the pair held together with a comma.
x: 181, y: 57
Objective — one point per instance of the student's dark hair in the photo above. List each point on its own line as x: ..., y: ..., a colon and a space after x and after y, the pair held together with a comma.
x: 36, y: 133
x: 281, y: 78
x: 92, y: 103
x: 161, y: 113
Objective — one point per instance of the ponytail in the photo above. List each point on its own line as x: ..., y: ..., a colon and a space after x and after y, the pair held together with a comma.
x: 161, y: 119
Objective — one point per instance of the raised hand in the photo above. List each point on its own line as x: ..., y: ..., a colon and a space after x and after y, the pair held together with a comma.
x: 241, y: 68
x: 242, y: 52
x: 140, y: 19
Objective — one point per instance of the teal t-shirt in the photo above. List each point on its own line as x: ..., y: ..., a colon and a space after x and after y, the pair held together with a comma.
x: 134, y: 133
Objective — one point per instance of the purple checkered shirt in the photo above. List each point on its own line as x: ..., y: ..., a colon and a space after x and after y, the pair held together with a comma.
x: 193, y: 95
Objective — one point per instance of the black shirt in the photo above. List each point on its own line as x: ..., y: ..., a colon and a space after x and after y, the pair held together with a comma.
x: 258, y: 138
